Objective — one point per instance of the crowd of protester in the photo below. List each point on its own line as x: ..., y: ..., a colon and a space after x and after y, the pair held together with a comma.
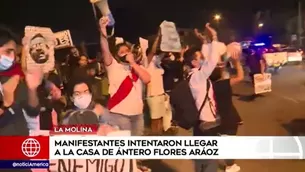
x: 116, y: 86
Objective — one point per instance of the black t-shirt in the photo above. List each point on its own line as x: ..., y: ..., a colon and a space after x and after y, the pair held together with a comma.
x: 173, y: 73
x: 13, y: 122
x: 224, y: 104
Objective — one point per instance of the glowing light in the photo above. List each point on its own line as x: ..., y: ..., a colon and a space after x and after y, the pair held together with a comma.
x: 217, y: 17
x: 260, y: 25
x: 259, y: 44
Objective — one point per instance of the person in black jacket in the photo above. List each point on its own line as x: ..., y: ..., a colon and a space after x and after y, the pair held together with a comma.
x: 12, y: 120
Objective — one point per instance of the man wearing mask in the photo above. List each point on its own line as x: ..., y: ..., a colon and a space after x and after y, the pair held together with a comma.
x: 12, y: 120
x: 125, y: 85
x: 199, y: 72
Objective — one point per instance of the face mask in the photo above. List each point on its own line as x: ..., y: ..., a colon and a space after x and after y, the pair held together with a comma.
x: 5, y: 62
x: 83, y: 101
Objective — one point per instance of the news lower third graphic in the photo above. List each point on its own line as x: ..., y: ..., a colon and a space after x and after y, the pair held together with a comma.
x: 226, y: 147
x: 9, y: 164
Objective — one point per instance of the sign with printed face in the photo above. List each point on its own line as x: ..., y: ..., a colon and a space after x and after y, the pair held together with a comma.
x: 63, y: 39
x: 39, y: 43
x: 170, y: 41
x: 262, y: 83
x: 88, y: 165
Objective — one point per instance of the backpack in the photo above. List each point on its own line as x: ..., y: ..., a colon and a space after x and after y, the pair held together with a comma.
x: 186, y: 113
x: 184, y: 106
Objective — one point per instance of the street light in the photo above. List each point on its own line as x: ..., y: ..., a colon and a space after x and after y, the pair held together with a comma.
x: 260, y: 25
x: 217, y: 17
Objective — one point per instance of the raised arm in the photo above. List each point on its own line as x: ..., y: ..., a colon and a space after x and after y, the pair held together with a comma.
x: 107, y: 56
x: 154, y: 48
x: 200, y: 36
x: 212, y: 58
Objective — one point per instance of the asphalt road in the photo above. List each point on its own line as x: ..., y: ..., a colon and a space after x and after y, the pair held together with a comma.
x: 279, y: 113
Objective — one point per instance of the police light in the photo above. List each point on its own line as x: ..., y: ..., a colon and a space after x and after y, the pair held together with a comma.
x: 259, y: 44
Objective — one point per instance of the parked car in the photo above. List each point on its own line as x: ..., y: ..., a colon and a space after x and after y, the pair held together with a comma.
x: 294, y: 55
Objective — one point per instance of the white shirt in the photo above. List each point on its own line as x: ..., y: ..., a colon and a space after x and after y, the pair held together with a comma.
x: 132, y: 104
x: 155, y: 86
x: 198, y: 83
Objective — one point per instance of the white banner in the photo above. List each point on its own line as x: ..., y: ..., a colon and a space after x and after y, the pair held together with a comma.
x: 170, y: 41
x: 39, y: 45
x: 63, y: 39
x: 262, y: 83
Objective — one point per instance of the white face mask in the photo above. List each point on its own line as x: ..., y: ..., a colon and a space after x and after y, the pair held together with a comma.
x: 83, y: 101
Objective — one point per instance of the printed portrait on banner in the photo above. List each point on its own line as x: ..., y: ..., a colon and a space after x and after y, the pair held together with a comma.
x: 39, y: 45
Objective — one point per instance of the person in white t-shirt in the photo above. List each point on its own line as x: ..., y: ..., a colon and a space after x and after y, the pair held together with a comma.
x: 125, y: 85
x: 157, y: 99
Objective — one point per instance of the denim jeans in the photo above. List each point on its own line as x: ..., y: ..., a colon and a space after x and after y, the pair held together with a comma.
x: 134, y: 123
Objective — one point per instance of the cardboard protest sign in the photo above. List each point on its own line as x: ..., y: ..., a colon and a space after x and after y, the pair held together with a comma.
x: 170, y: 41
x: 39, y: 43
x: 262, y: 84
x: 63, y: 39
x: 89, y: 165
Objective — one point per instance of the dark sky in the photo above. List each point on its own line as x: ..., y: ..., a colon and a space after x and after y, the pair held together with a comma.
x: 134, y: 17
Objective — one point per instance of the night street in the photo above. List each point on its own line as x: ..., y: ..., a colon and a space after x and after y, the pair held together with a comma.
x: 278, y: 113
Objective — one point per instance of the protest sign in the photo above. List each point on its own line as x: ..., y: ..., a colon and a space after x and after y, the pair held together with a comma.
x: 63, y: 39
x: 170, y: 41
x: 88, y: 165
x: 39, y: 43
x: 262, y: 83
x: 143, y: 44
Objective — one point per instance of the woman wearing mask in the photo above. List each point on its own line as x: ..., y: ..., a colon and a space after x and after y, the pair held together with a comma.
x: 230, y: 118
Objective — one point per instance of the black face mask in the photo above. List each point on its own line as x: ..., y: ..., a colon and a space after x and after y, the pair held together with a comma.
x: 123, y: 59
x: 216, y: 74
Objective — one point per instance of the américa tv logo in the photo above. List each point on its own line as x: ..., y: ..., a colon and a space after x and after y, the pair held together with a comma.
x: 30, y: 147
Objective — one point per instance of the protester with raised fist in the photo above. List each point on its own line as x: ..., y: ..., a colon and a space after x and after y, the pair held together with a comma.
x: 200, y: 68
x: 125, y: 84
